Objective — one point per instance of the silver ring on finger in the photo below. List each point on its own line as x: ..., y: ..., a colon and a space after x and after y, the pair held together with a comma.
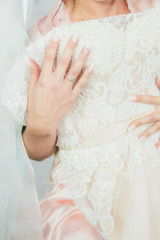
x: 70, y: 79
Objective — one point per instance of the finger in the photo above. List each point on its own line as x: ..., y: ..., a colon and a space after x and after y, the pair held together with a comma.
x: 158, y: 82
x: 78, y: 65
x: 149, y: 99
x: 35, y: 73
x: 50, y: 56
x: 66, y: 57
x: 82, y: 82
x: 154, y: 128
x: 158, y: 143
x: 150, y: 118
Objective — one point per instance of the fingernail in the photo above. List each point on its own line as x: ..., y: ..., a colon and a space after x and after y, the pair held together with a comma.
x: 142, y: 138
x: 74, y: 39
x: 132, y: 98
x: 90, y: 69
x: 55, y: 39
x: 29, y: 63
x: 157, y: 144
x: 158, y: 78
x: 86, y: 50
x: 130, y: 128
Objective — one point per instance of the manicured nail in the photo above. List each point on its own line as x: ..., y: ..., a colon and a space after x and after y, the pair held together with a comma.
x: 132, y: 98
x: 158, y: 78
x: 90, y: 69
x: 142, y: 138
x: 86, y: 50
x: 130, y: 128
x: 29, y: 63
x: 55, y: 39
x: 74, y: 39
x: 157, y: 146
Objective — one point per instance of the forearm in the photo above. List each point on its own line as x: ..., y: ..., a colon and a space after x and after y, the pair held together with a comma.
x: 39, y: 147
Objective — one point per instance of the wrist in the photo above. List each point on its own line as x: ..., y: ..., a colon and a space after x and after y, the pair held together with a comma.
x: 39, y: 146
x: 41, y: 131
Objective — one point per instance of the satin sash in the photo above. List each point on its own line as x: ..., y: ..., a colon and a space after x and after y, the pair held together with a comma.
x: 107, y: 134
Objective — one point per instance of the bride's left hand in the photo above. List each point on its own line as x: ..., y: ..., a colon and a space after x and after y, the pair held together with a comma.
x: 153, y: 118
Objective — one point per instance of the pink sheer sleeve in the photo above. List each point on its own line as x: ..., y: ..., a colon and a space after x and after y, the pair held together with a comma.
x: 141, y: 5
x: 50, y: 20
x: 34, y: 32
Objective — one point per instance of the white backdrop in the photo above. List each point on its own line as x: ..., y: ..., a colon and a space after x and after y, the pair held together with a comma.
x: 42, y: 169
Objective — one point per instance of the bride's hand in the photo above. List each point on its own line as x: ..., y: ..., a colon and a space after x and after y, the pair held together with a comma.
x: 153, y: 118
x: 51, y: 93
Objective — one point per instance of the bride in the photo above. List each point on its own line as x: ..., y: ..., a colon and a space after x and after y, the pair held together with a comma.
x: 71, y: 89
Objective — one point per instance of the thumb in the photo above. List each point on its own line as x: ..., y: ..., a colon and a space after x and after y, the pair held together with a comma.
x: 35, y: 73
x: 158, y: 82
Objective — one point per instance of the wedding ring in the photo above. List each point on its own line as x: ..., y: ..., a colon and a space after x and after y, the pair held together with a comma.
x: 70, y: 79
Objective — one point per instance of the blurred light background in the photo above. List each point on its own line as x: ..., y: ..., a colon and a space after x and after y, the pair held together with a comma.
x: 41, y: 7
x: 43, y: 168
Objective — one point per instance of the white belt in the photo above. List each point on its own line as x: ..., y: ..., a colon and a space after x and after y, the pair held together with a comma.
x: 104, y: 135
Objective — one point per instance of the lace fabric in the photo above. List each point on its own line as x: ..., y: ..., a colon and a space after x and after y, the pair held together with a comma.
x: 126, y: 57
x: 93, y: 173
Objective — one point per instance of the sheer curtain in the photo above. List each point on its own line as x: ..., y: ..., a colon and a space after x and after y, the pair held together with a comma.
x: 20, y: 216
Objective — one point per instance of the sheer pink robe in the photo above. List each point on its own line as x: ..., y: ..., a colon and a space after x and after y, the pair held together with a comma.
x: 61, y: 218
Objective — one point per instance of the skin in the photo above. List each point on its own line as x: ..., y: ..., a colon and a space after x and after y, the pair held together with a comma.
x: 51, y: 94
x: 94, y: 9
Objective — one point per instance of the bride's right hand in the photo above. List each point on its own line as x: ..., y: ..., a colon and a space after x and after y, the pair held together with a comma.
x: 50, y: 94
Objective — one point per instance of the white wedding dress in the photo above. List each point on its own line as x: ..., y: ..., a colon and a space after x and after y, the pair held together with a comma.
x: 113, y: 177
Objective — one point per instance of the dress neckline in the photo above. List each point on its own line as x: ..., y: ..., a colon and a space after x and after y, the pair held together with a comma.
x: 117, y: 17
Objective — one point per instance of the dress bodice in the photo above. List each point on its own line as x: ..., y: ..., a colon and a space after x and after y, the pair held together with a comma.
x: 126, y: 59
